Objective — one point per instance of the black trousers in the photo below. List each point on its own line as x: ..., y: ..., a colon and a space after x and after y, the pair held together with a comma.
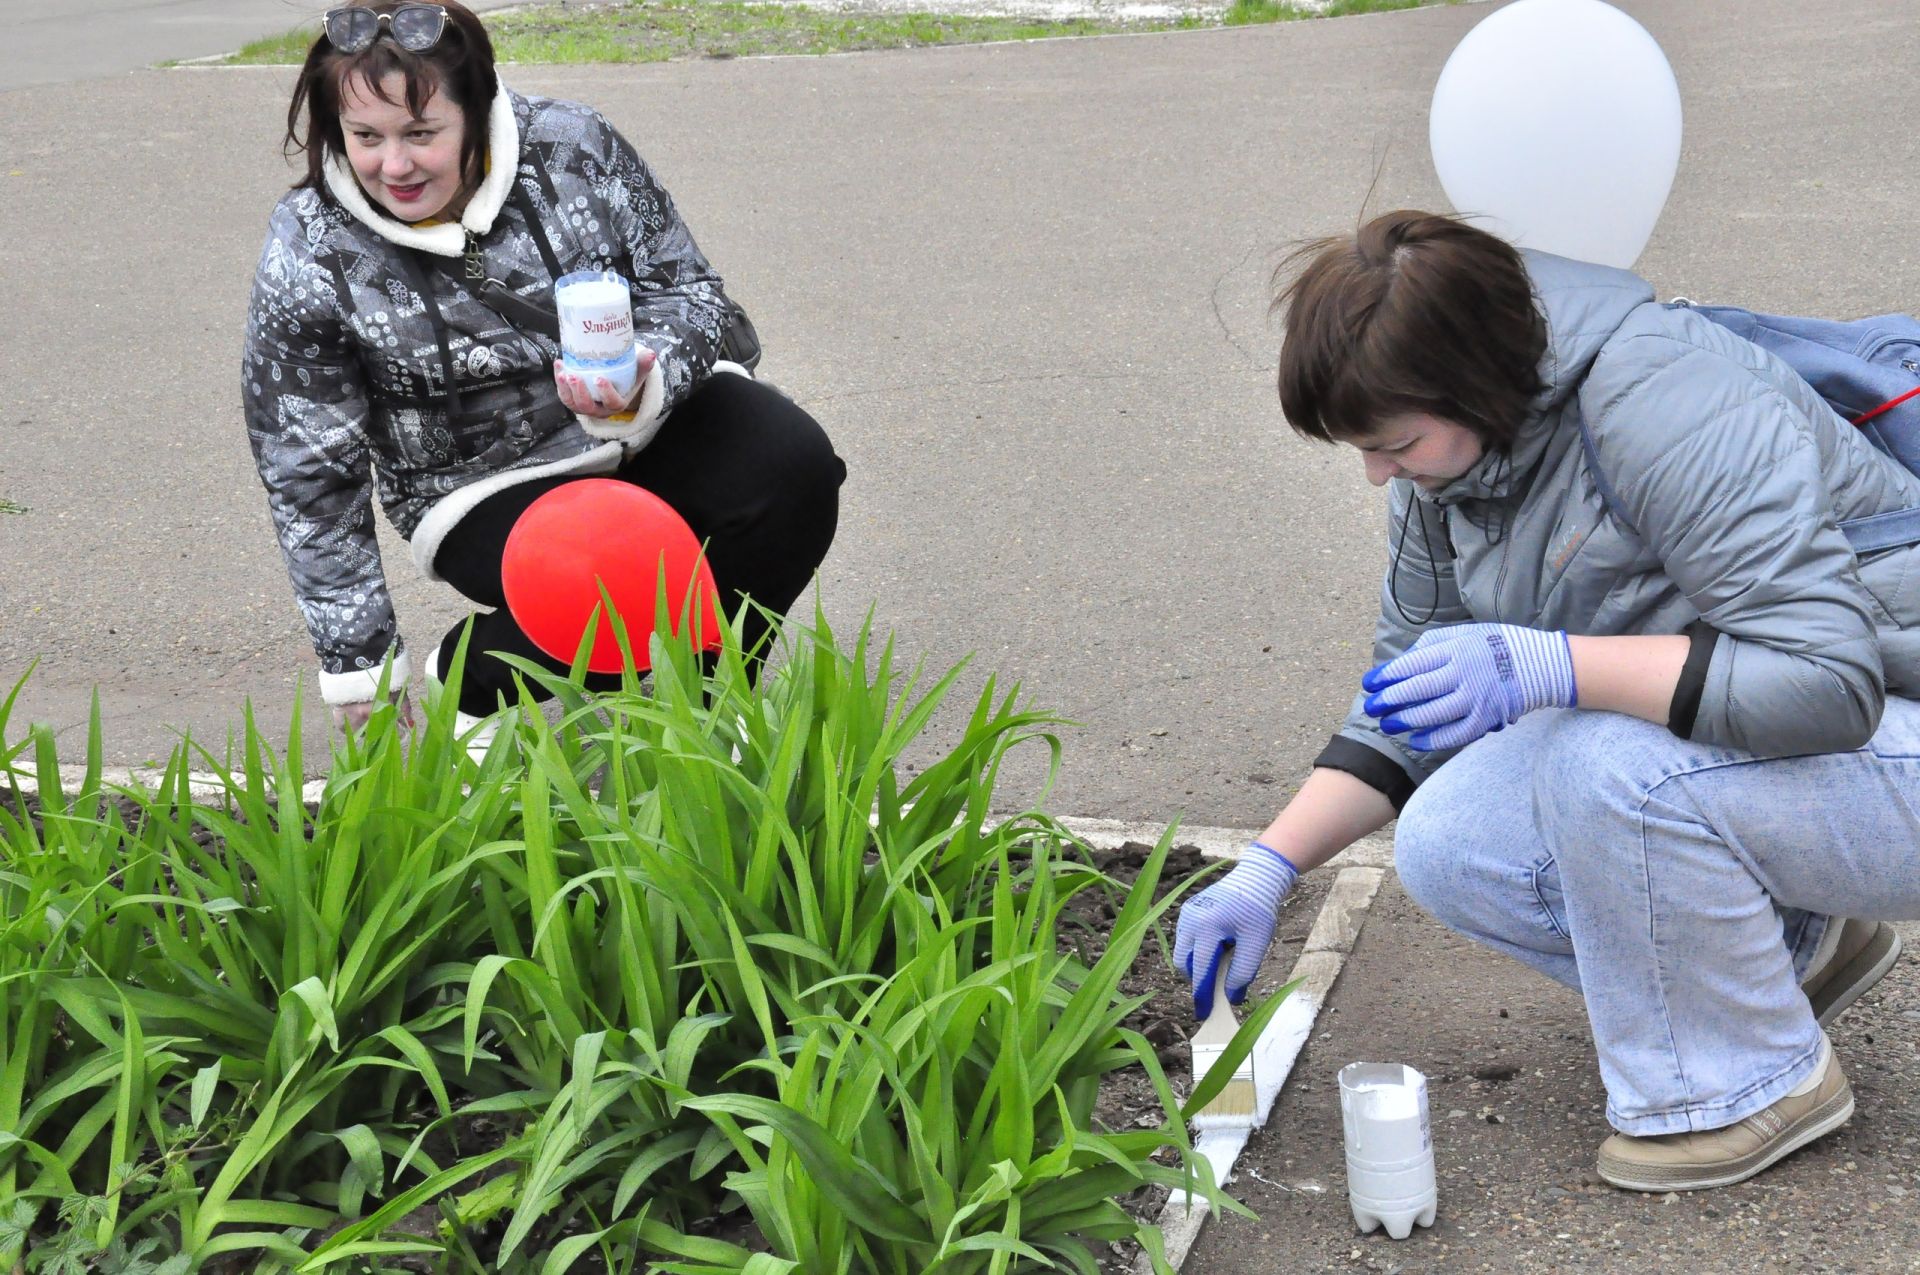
x: 754, y: 476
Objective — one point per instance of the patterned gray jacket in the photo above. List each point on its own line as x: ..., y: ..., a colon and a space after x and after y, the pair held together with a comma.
x: 373, y: 364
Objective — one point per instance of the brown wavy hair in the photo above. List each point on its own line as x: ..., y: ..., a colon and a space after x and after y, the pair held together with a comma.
x: 1413, y: 312
x: 460, y: 65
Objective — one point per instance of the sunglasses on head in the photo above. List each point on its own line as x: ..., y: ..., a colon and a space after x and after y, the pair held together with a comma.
x: 414, y: 27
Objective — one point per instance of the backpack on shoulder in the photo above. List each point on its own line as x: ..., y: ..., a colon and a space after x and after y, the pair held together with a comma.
x: 1868, y: 371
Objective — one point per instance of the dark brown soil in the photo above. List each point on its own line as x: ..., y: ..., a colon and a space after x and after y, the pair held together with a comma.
x: 1167, y: 1020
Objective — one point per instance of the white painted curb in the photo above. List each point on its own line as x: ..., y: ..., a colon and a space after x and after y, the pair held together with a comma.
x: 199, y: 783
x: 1111, y: 834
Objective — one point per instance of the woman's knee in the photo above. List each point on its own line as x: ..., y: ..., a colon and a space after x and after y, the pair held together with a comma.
x: 744, y: 446
x: 792, y: 446
x: 813, y: 471
x: 800, y: 478
x: 1595, y: 770
x: 1461, y: 834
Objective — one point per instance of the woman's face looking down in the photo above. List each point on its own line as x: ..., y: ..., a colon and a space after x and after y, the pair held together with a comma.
x: 409, y: 165
x: 1429, y: 450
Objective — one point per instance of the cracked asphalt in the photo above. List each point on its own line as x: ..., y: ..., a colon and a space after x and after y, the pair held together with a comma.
x: 1518, y: 1111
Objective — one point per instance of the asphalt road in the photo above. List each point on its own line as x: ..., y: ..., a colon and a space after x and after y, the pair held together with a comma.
x: 1025, y: 288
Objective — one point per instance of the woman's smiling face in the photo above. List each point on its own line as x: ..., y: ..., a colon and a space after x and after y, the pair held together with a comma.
x: 408, y: 164
x: 1429, y: 450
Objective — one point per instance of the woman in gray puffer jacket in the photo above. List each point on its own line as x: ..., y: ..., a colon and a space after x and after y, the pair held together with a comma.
x: 401, y: 340
x: 1656, y: 745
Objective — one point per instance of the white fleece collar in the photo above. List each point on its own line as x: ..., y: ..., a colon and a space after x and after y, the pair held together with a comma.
x: 450, y: 239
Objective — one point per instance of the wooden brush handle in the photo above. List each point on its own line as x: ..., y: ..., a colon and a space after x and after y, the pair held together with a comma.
x: 1222, y: 1007
x: 1219, y: 1025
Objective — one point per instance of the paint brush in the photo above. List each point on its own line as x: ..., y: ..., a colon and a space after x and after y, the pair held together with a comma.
x: 1233, y: 1106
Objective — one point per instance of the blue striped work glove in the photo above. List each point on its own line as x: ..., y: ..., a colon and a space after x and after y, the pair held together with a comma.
x: 1239, y: 911
x: 1459, y: 682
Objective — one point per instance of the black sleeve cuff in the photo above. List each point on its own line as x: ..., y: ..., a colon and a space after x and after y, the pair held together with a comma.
x: 1374, y: 769
x: 1693, y: 679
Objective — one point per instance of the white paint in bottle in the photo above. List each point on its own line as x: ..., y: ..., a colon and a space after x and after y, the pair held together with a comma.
x: 596, y: 328
x: 1390, y: 1183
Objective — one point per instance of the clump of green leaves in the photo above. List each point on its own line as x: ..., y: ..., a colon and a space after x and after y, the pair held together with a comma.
x: 680, y: 953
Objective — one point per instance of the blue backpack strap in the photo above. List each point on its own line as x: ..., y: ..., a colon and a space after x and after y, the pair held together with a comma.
x: 1868, y: 371
x: 1859, y: 366
x: 1892, y: 530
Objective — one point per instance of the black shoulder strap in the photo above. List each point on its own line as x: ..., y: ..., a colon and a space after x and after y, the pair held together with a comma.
x: 535, y: 226
x: 418, y: 276
x: 517, y: 310
x: 1896, y: 528
x: 739, y: 342
x: 527, y: 315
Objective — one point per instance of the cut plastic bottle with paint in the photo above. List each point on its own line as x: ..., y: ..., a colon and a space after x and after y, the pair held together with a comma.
x: 1383, y: 1109
x: 596, y: 328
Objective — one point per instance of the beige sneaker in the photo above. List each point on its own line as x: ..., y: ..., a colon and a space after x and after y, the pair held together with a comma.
x: 1721, y: 1157
x: 1861, y: 955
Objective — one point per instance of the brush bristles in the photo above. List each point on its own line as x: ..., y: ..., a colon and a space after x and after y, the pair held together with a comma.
x: 1232, y: 1107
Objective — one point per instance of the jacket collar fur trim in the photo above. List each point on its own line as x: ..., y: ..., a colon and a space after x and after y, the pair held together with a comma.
x: 449, y: 239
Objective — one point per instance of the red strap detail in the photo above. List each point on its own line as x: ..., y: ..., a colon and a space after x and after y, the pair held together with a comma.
x: 1887, y: 406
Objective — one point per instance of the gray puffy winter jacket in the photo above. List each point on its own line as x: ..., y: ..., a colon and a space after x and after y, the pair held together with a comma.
x: 1734, y: 474
x: 372, y: 365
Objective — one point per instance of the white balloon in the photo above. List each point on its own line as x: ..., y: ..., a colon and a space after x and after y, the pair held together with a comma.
x: 1556, y: 123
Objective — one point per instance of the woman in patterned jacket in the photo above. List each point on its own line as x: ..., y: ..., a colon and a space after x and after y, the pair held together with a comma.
x: 401, y: 339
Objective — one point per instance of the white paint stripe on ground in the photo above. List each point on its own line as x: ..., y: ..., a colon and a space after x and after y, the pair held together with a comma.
x: 1215, y: 843
x: 1111, y: 834
x: 1360, y: 868
x: 202, y: 784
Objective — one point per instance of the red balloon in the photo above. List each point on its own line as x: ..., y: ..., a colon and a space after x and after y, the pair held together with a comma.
x: 596, y: 531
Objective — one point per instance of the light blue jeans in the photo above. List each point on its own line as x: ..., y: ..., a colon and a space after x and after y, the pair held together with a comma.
x: 1679, y: 887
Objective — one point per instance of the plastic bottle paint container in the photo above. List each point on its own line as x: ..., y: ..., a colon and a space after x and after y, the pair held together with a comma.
x: 1383, y: 1109
x: 596, y: 328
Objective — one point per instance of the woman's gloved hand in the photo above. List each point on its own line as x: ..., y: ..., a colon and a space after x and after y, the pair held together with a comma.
x: 1238, y: 910
x: 1459, y: 682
